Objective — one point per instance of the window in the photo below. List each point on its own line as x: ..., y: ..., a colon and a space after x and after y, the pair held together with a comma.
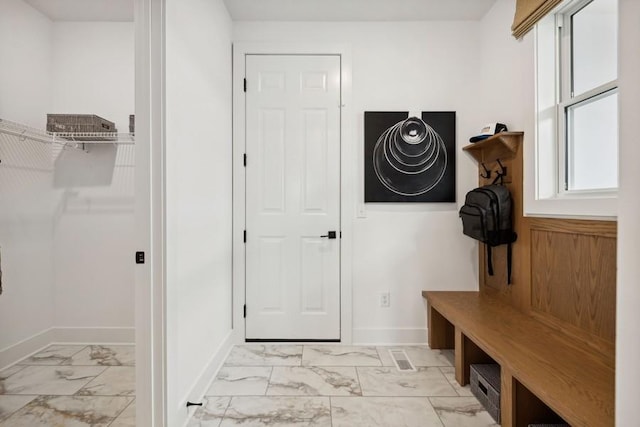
x: 577, y: 101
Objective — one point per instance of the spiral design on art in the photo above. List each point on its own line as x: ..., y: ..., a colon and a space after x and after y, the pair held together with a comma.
x: 410, y: 157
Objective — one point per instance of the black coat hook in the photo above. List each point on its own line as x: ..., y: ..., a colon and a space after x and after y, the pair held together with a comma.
x: 503, y: 169
x: 500, y: 174
x: 487, y: 172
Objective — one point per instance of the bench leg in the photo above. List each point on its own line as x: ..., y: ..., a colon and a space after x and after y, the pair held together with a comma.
x: 440, y: 331
x: 507, y: 400
x: 467, y: 354
x: 459, y: 357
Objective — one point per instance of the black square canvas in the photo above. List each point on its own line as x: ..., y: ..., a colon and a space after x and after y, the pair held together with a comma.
x: 409, y: 159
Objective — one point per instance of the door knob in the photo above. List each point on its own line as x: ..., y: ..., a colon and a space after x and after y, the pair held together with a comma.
x: 330, y: 235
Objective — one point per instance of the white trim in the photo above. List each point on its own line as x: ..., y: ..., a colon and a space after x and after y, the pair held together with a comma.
x: 390, y: 336
x: 540, y: 199
x: 149, y: 217
x: 208, y: 375
x: 348, y: 156
x: 25, y: 348
x: 97, y: 335
x: 65, y: 335
x: 627, y: 372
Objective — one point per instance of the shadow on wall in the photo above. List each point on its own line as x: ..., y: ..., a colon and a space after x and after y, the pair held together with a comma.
x: 48, y: 179
x: 91, y: 168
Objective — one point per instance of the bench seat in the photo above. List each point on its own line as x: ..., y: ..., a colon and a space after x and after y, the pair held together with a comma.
x: 573, y: 380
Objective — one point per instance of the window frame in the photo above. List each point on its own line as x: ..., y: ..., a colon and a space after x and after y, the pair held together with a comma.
x: 567, y: 98
x: 551, y: 195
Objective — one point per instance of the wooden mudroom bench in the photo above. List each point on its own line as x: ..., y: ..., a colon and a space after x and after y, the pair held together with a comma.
x: 552, y: 327
x: 543, y: 371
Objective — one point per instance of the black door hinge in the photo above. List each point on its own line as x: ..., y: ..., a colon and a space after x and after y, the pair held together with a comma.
x: 244, y: 236
x: 245, y: 84
x: 245, y: 311
x: 244, y: 159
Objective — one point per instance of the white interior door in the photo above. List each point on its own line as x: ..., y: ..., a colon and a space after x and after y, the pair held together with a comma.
x: 293, y: 197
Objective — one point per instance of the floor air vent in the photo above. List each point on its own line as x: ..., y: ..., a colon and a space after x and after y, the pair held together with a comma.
x: 401, y: 360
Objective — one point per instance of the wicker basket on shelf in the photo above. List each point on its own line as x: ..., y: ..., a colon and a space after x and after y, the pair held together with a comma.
x: 81, y: 124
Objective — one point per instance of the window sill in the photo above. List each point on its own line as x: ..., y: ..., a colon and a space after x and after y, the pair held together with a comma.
x: 603, y: 208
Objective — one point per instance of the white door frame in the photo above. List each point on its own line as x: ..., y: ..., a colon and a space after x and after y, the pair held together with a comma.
x: 149, y: 213
x: 348, y: 159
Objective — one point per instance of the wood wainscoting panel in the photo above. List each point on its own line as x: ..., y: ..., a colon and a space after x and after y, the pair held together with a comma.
x: 573, y: 274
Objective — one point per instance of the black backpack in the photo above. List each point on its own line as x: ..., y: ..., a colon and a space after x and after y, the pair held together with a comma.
x: 486, y: 216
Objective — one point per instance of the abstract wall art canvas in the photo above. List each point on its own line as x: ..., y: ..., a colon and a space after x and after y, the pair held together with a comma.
x: 409, y: 159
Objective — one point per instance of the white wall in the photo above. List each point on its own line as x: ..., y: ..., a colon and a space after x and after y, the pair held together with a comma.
x: 198, y: 196
x: 628, y: 300
x: 25, y: 49
x: 93, y: 72
x: 507, y: 77
x: 25, y: 181
x: 403, y: 249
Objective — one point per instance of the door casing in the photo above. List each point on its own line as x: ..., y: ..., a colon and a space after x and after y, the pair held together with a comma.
x: 150, y: 284
x: 348, y: 172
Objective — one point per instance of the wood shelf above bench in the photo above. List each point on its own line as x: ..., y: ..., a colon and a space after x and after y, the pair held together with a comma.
x: 503, y: 145
x: 576, y: 383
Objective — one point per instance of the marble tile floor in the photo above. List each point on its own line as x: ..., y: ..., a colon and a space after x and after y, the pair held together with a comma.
x: 259, y: 385
x: 70, y: 385
x: 337, y: 386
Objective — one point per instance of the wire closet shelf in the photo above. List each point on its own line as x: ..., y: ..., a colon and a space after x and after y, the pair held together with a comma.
x: 66, y: 139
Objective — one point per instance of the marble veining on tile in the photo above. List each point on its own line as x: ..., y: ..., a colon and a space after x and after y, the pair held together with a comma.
x: 127, y: 418
x: 113, y: 355
x: 76, y: 411
x: 462, y: 411
x: 10, y: 404
x: 450, y: 375
x: 383, y: 412
x: 53, y: 380
x: 240, y: 381
x: 53, y: 355
x: 114, y: 381
x: 419, y: 356
x: 265, y: 355
x: 387, y: 381
x: 210, y: 414
x: 334, y: 355
x: 314, y: 381
x: 278, y: 412
x: 6, y: 373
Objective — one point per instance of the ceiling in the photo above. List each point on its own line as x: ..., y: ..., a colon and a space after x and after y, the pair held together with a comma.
x: 284, y: 10
x: 357, y: 10
x: 85, y: 10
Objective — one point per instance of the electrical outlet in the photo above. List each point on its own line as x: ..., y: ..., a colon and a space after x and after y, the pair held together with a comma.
x: 385, y: 299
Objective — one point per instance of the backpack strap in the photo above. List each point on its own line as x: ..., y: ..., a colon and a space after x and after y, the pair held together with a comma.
x: 489, y: 260
x: 509, y: 257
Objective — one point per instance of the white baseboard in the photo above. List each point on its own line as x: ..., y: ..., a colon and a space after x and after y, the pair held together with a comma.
x: 206, y: 377
x: 385, y: 336
x: 120, y: 335
x: 25, y: 348
x: 59, y: 335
